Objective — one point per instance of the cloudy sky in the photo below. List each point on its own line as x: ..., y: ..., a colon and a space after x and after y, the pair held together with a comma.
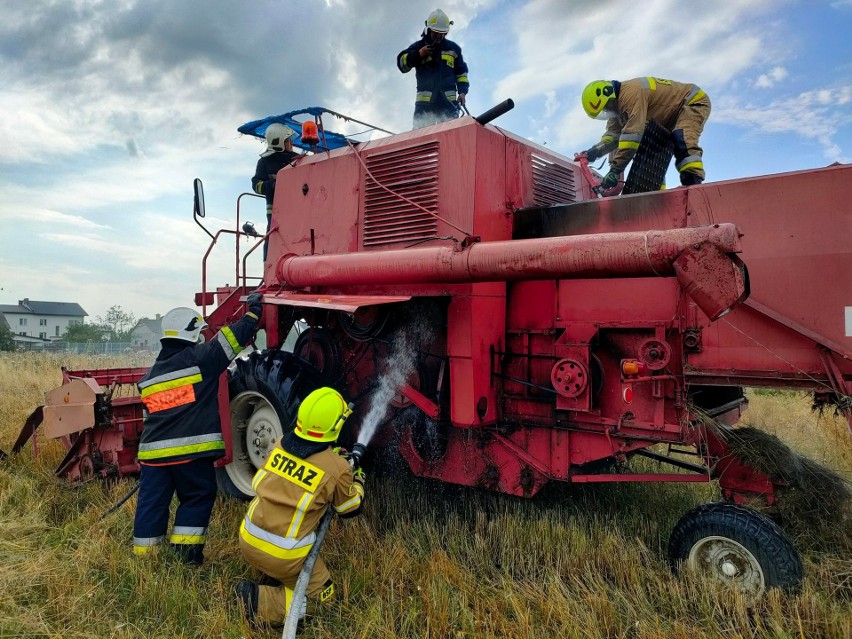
x: 110, y: 108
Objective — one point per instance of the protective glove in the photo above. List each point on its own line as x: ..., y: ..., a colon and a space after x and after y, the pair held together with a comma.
x: 359, y: 475
x: 592, y: 154
x: 610, y: 180
x: 255, y: 307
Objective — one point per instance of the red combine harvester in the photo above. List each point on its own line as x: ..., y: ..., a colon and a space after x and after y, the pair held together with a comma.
x: 542, y: 333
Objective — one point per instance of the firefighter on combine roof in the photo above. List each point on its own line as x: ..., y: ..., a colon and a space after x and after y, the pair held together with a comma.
x: 441, y: 71
x: 627, y: 106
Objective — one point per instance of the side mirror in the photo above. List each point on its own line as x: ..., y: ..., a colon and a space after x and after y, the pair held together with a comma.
x: 198, y: 206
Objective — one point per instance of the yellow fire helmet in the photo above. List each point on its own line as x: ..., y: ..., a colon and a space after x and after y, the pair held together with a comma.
x: 599, y: 100
x: 322, y: 415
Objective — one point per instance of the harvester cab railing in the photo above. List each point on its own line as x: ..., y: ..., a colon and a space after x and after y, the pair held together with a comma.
x: 247, y: 230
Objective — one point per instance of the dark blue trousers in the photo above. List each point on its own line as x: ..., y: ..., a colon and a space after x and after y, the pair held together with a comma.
x: 195, y: 484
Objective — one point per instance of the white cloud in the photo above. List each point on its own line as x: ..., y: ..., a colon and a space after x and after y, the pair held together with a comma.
x: 560, y: 49
x: 767, y: 80
x: 34, y: 217
x: 812, y: 115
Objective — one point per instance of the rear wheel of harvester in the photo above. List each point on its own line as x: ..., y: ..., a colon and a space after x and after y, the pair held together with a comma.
x: 266, y: 390
x: 737, y: 546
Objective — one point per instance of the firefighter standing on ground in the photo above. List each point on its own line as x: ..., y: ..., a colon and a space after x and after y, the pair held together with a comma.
x: 627, y: 106
x: 183, y: 435
x: 279, y: 153
x: 299, y: 479
x: 442, y: 83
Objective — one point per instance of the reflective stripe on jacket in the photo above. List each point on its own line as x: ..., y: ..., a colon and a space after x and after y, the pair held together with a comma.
x: 292, y: 496
x: 179, y: 394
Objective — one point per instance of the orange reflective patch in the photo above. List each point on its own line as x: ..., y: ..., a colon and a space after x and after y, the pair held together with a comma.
x: 169, y: 398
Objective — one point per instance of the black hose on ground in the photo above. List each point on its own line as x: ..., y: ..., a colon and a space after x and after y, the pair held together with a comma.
x: 120, y: 502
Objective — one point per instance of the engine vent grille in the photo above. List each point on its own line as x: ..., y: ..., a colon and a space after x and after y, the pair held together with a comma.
x: 411, y: 173
x: 552, y: 183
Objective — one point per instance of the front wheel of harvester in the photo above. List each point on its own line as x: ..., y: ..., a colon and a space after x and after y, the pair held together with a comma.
x: 737, y: 546
x: 265, y: 390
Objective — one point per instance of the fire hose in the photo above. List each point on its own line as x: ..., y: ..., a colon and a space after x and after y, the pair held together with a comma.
x: 294, y: 613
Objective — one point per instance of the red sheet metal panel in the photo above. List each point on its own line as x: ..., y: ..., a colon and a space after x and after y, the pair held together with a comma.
x: 797, y: 242
x: 347, y: 303
x: 475, y: 323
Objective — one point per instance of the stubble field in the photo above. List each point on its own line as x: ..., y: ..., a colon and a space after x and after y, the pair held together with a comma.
x: 425, y: 560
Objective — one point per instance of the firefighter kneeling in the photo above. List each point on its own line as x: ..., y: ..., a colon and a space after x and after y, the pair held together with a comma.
x: 301, y: 476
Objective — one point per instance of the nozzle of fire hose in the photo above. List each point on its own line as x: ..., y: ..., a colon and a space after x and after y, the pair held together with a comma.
x: 358, y: 451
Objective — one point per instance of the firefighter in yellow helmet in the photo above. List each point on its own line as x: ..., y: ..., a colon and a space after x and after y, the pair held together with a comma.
x: 299, y: 479
x: 627, y: 106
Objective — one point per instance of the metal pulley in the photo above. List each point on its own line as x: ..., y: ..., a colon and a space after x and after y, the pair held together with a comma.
x: 569, y: 377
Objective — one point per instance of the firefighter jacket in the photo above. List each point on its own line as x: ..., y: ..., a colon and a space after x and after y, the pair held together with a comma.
x: 179, y: 394
x: 263, y: 182
x: 440, y: 76
x: 640, y: 100
x: 293, y: 493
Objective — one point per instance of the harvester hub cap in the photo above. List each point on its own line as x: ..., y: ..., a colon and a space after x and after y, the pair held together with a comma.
x: 730, y: 562
x: 569, y: 377
x: 261, y: 433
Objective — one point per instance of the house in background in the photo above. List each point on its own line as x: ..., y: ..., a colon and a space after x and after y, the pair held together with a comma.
x: 146, y: 335
x: 34, y: 321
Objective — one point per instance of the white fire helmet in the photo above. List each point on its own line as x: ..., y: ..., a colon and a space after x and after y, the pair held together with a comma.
x: 438, y: 21
x: 276, y: 135
x: 183, y: 323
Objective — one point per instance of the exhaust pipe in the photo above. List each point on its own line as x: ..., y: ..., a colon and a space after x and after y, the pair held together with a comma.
x: 496, y: 111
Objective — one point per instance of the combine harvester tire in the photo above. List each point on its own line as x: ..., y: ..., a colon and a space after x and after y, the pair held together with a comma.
x: 265, y: 391
x: 737, y: 546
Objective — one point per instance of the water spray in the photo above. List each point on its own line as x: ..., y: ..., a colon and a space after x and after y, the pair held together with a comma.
x: 401, y: 363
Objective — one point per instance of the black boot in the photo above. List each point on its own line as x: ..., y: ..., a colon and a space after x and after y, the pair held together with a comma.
x: 247, y: 593
x: 190, y: 554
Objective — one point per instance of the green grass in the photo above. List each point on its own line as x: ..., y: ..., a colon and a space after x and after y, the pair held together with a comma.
x: 425, y: 559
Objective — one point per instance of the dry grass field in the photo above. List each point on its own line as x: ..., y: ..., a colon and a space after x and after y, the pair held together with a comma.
x: 425, y: 560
